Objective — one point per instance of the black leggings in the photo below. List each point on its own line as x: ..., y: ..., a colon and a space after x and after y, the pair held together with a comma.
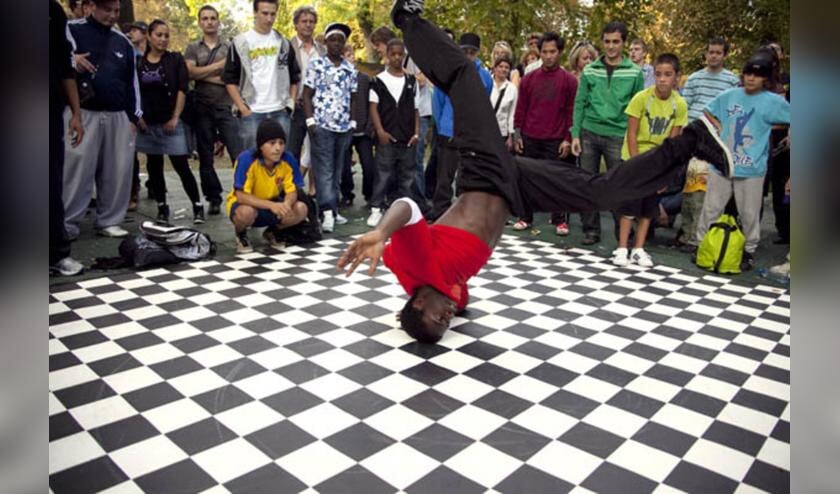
x: 157, y: 183
x: 529, y: 185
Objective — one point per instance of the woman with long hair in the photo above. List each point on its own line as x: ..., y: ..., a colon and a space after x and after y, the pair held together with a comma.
x: 581, y: 55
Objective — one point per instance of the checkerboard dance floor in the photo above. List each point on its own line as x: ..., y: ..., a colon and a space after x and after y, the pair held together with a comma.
x: 269, y: 372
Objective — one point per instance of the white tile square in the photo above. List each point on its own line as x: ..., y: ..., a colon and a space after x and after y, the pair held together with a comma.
x: 264, y: 384
x: 393, y: 337
x: 719, y: 458
x: 249, y: 417
x: 230, y: 460
x: 96, y: 352
x: 73, y: 450
x: 175, y: 415
x: 197, y: 382
x: 515, y: 361
x: 504, y: 339
x: 682, y: 419
x: 574, y: 362
x: 230, y: 334
x: 396, y: 359
x: 529, y: 388
x: 101, y: 412
x: 215, y: 355
x: 463, y: 388
x: 400, y: 465
x: 136, y: 378
x: 284, y: 336
x: 644, y: 460
x: 741, y: 364
x: 323, y: 420
x: 315, y: 463
x: 747, y: 418
x: 95, y: 311
x: 483, y: 464
x: 545, y: 421
x: 630, y: 363
x: 712, y: 387
x: 566, y: 462
x: 55, y: 406
x: 615, y: 420
x: 472, y: 421
x: 330, y: 386
x: 340, y: 337
x: 653, y: 388
x: 684, y: 363
x: 768, y: 387
x: 776, y: 453
x: 594, y: 389
x: 176, y: 332
x: 274, y: 358
x: 157, y: 353
x: 71, y: 376
x: 336, y: 359
x: 398, y: 422
x: 147, y: 456
x: 458, y: 362
x: 398, y: 388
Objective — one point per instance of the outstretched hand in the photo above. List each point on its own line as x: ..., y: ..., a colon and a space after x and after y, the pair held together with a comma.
x: 368, y: 246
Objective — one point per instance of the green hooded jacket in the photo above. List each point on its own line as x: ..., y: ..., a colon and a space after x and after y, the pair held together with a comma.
x: 600, y: 101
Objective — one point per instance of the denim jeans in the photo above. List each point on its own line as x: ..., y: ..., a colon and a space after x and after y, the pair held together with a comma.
x: 328, y: 154
x: 248, y: 125
x: 593, y: 148
x: 211, y: 120
x: 297, y: 131
x: 546, y: 149
x: 393, y: 161
x: 420, y: 180
x: 364, y: 148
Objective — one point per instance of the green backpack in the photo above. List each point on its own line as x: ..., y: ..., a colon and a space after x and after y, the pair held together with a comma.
x: 722, y: 247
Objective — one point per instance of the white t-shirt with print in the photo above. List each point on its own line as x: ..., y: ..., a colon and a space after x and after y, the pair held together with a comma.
x: 262, y: 50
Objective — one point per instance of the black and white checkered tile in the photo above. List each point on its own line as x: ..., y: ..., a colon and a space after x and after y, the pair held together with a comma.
x: 270, y: 372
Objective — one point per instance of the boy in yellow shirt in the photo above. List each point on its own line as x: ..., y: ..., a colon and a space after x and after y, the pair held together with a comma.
x: 265, y: 188
x: 654, y: 114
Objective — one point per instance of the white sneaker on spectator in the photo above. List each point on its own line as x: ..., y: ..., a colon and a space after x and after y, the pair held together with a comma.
x: 375, y: 217
x: 620, y: 257
x: 67, y: 267
x: 340, y: 220
x: 641, y: 258
x: 328, y: 225
x: 112, y: 231
x: 781, y: 269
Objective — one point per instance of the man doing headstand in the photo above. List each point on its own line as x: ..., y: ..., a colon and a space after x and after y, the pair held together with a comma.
x: 434, y: 262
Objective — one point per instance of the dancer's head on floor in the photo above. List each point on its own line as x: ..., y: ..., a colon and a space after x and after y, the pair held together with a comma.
x: 427, y: 314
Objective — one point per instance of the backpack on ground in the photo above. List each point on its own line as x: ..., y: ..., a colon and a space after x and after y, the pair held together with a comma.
x: 308, y: 230
x: 159, y: 244
x: 722, y: 247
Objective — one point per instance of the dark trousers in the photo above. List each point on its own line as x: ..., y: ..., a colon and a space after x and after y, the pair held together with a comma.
x: 779, y: 173
x: 529, y: 185
x: 297, y: 131
x: 594, y: 147
x: 394, y: 162
x: 157, y: 183
x: 59, y: 245
x: 212, y: 120
x: 430, y: 175
x: 363, y: 145
x: 445, y: 170
x: 546, y: 149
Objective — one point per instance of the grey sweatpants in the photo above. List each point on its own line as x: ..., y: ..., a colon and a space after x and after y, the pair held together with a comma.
x: 106, y: 157
x: 748, y: 196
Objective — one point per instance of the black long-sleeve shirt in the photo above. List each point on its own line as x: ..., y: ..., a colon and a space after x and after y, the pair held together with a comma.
x: 61, y: 57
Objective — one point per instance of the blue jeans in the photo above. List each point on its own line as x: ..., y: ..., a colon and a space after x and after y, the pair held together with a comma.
x: 328, y: 154
x: 248, y: 126
x: 420, y: 180
x: 593, y: 148
x: 393, y: 162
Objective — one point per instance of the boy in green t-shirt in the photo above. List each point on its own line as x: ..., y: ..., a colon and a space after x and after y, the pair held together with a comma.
x: 654, y: 114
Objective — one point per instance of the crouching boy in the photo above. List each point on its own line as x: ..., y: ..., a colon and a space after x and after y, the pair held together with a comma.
x: 264, y: 192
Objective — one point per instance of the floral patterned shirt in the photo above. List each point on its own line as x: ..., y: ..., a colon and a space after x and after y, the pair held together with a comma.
x: 333, y: 86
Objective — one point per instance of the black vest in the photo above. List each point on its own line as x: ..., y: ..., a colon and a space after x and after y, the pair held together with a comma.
x: 397, y: 117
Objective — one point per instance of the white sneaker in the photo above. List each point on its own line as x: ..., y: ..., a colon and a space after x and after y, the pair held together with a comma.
x: 340, y: 220
x: 781, y: 269
x: 112, y: 231
x: 328, y: 225
x: 67, y: 267
x: 641, y: 258
x: 375, y: 217
x: 620, y: 257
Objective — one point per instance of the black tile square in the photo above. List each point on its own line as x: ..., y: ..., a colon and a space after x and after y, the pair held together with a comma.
x: 746, y: 351
x: 201, y: 435
x: 252, y: 345
x: 129, y: 304
x: 671, y: 332
x: 62, y: 361
x: 516, y: 441
x: 725, y: 374
x: 359, y: 441
x: 424, y: 350
x: 292, y: 401
x: 62, y: 317
x: 433, y: 404
x: 591, y: 439
x: 62, y: 425
x: 592, y: 351
x: 369, y: 328
x: 224, y: 306
x: 195, y: 343
x: 724, y: 334
x: 781, y: 431
x: 83, y: 302
x: 316, y: 326
x: 83, y: 339
x: 552, y: 374
x: 645, y: 351
x: 108, y: 320
x: 698, y: 402
x: 362, y: 403
x: 160, y: 321
x: 169, y: 369
x: 612, y: 479
x: 768, y: 477
x: 152, y: 396
x: 669, y: 375
x: 635, y: 403
x: 221, y: 399
x: 481, y: 350
x: 184, y: 476
x: 367, y: 348
x: 538, y: 350
x: 760, y: 402
x: 575, y: 331
x: 735, y: 437
x: 118, y: 434
x: 177, y: 305
x: 301, y: 372
x: 571, y: 404
x: 310, y: 347
x: 611, y: 374
x: 81, y: 394
x: 239, y: 369
x: 438, y: 442
x: 774, y: 373
x: 428, y: 373
x: 491, y: 374
x: 211, y: 323
x: 694, y: 479
x: 528, y: 479
x: 664, y: 438
x: 443, y: 479
x: 263, y: 325
x: 93, y: 476
x: 696, y: 351
x: 280, y: 439
x: 355, y: 479
x: 764, y: 333
x: 503, y: 403
x: 113, y: 365
x: 365, y: 373
x: 526, y: 331
x: 138, y: 341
